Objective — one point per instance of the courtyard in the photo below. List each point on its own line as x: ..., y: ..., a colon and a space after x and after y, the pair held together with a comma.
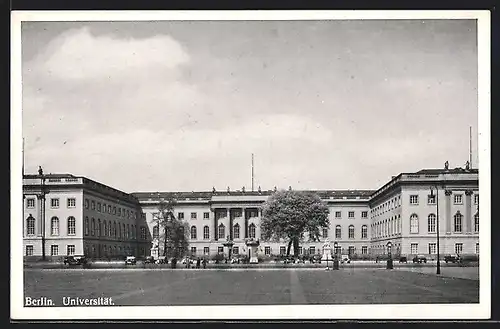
x: 164, y: 287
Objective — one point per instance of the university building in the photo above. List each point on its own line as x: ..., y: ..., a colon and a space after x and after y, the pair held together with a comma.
x: 86, y: 217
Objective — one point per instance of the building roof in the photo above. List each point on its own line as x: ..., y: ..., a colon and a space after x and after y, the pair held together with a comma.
x: 447, y: 171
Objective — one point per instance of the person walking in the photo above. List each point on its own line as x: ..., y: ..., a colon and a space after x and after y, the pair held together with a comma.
x: 204, y: 263
x: 198, y: 262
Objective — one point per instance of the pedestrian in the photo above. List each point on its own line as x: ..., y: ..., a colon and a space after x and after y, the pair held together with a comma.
x: 198, y: 262
x: 204, y: 263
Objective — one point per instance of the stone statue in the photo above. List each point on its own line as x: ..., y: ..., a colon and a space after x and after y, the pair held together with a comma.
x: 446, y: 165
x: 289, y: 188
x: 243, y: 189
x: 259, y: 189
x: 213, y: 189
x: 228, y: 190
x: 467, y: 165
x: 275, y: 189
x: 40, y: 170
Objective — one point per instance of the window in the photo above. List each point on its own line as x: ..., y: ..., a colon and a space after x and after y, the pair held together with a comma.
x: 220, y: 250
x: 93, y: 205
x: 351, y: 231
x: 364, y: 214
x: 251, y: 231
x: 86, y: 203
x: 70, y: 251
x: 431, y: 223
x: 236, y: 231
x: 193, y: 251
x: 206, y: 250
x: 71, y: 202
x: 180, y: 216
x: 476, y: 222
x: 364, y: 250
x: 86, y: 226
x: 338, y: 214
x: 193, y: 215
x: 236, y: 250
x: 30, y: 226
x: 457, y: 199
x: 54, y: 203
x: 325, y: 233
x: 104, y: 208
x: 128, y: 232
x: 476, y: 198
x: 364, y: 232
x: 282, y: 250
x: 143, y: 233
x: 71, y: 225
x: 222, y: 231
x: 431, y: 199
x: 413, y: 199
x: 30, y: 203
x: 457, y: 219
x: 350, y: 250
x: 267, y: 250
x: 206, y: 215
x: 300, y: 251
x: 114, y: 210
x: 54, y: 226
x: 119, y: 212
x: 193, y: 232
x: 414, y: 223
x: 109, y: 209
x: 115, y: 231
x: 92, y: 227
x: 105, y: 228
x: 351, y: 214
x: 156, y: 232
x: 414, y: 248
x: 477, y: 248
x: 312, y: 250
x: 432, y: 248
x: 338, y: 232
x: 458, y: 248
x: 54, y: 250
x: 98, y: 206
x: 29, y: 250
x: 206, y: 233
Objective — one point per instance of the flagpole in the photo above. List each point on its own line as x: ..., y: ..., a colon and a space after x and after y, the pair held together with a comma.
x: 470, y: 147
x: 252, y: 172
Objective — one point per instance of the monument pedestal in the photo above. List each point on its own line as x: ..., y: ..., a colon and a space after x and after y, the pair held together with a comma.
x: 327, y: 254
x: 253, y: 250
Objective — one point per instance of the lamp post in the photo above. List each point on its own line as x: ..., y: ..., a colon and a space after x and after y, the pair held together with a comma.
x: 336, y: 260
x: 389, y: 253
x: 42, y: 206
x: 438, y: 265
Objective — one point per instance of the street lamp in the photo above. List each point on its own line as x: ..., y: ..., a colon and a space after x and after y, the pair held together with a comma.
x: 389, y: 253
x: 438, y: 265
x: 336, y: 260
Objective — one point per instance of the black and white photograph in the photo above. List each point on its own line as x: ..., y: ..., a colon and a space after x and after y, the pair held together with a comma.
x: 278, y: 165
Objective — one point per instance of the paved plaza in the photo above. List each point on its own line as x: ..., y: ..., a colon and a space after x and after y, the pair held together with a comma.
x: 163, y: 287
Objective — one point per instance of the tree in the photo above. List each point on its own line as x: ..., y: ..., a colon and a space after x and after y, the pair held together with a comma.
x: 173, y: 231
x: 288, y: 214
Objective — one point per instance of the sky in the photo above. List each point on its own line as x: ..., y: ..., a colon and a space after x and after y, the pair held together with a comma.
x: 182, y: 105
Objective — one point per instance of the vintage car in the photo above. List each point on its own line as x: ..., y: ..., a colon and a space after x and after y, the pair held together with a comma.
x: 130, y: 260
x: 419, y: 259
x: 452, y: 259
x: 75, y: 260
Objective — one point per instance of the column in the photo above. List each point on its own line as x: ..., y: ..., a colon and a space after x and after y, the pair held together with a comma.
x: 244, y: 214
x: 215, y: 225
x: 468, y: 210
x: 447, y: 214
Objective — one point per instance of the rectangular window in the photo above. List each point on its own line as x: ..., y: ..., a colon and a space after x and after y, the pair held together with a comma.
x: 71, y: 250
x: 236, y: 250
x: 364, y: 250
x: 432, y: 248
x: 325, y: 233
x: 119, y: 212
x: 414, y: 248
x: 267, y: 250
x: 458, y: 248
x: 476, y: 198
x: 30, y: 203
x: 206, y: 215
x: 98, y: 206
x: 477, y: 248
x: 413, y: 199
x: 143, y: 233
x: 93, y: 205
x: 338, y: 214
x: 220, y: 250
x: 300, y: 251
x: 193, y: 215
x: 86, y: 203
x: 29, y: 250
x: 431, y: 199
x: 54, y: 250
x: 351, y: 214
x: 114, y: 210
x: 364, y: 214
x: 54, y: 203
x: 206, y: 250
x: 109, y: 209
x: 457, y: 199
x: 312, y: 250
x: 282, y: 250
x: 193, y: 251
x: 71, y: 225
x: 180, y: 216
x: 71, y: 203
x: 350, y: 250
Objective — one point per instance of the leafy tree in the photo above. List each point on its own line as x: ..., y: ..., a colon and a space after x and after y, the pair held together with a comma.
x: 173, y: 231
x: 288, y: 214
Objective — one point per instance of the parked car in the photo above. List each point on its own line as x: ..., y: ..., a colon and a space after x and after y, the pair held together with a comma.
x: 187, y: 259
x: 419, y: 259
x: 130, y: 260
x: 345, y: 259
x: 75, y: 260
x: 149, y: 260
x: 403, y: 259
x: 452, y: 259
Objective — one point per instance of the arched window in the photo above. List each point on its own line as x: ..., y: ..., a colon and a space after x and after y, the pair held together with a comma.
x: 458, y: 222
x: 325, y: 233
x: 30, y: 225
x: 71, y: 225
x: 92, y: 227
x: 123, y: 236
x: 236, y: 231
x: 115, y: 231
x: 222, y: 231
x: 476, y: 222
x: 251, y: 231
x: 431, y: 223
x: 86, y: 226
x: 156, y: 232
x: 119, y: 231
x: 105, y: 228
x: 351, y: 231
x: 193, y: 232
x: 128, y: 232
x: 414, y: 223
x: 338, y: 232
x: 206, y: 233
x: 364, y: 232
x: 54, y: 226
x: 99, y: 227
